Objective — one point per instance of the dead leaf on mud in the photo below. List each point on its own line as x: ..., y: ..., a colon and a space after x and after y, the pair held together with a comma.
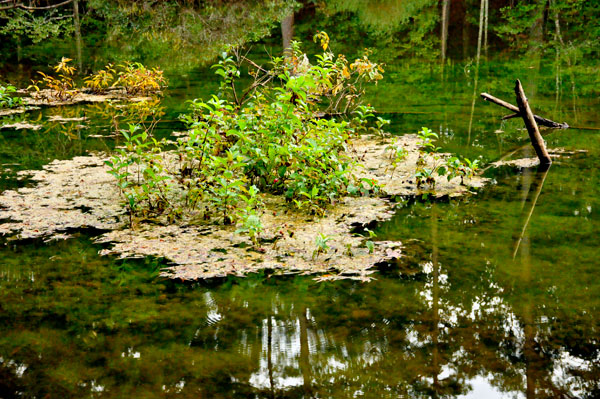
x: 15, y: 111
x: 47, y: 97
x: 79, y: 193
x: 21, y: 125
x: 60, y: 118
x: 374, y: 156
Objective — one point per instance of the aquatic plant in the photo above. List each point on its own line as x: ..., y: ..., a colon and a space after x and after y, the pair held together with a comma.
x: 136, y: 79
x: 100, y: 81
x: 6, y: 97
x: 140, y: 173
x: 369, y: 243
x: 59, y: 87
x: 321, y: 246
x: 269, y: 137
x: 430, y: 163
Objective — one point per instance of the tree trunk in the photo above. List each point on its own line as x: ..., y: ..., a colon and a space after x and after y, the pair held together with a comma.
x: 465, y: 33
x: 287, y: 32
x: 532, y: 128
x: 479, y: 37
x: 77, y: 24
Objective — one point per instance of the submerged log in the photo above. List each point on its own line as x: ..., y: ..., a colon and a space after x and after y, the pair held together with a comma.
x: 532, y: 128
x: 540, y: 120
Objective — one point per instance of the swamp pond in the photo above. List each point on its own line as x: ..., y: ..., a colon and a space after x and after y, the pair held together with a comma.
x: 496, y: 295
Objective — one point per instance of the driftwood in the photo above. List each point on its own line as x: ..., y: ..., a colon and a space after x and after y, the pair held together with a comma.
x: 532, y: 128
x: 540, y: 120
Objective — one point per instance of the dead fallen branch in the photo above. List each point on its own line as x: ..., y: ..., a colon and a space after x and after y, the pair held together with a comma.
x: 540, y: 120
x: 532, y: 128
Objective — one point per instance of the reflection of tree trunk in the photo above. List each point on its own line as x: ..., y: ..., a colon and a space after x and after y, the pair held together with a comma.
x: 558, y: 80
x: 270, y: 354
x: 77, y: 24
x: 287, y: 32
x: 304, y: 353
x: 465, y: 32
x: 528, y: 327
x: 529, y: 354
x: 445, y: 21
x: 536, y: 32
x: 559, y: 39
x: 536, y: 38
x: 533, y: 193
x: 479, y: 37
x: 19, y: 50
x: 436, y: 300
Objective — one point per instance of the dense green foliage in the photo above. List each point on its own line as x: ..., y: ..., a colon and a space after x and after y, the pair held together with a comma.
x: 271, y: 137
x: 450, y: 167
x: 147, y: 32
x: 20, y: 24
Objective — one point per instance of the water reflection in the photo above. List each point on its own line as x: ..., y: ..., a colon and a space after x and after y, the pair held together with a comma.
x: 86, y: 326
x: 533, y: 190
x: 459, y: 316
x: 497, y: 296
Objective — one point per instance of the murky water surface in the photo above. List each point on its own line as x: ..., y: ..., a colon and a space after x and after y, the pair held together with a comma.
x: 497, y: 295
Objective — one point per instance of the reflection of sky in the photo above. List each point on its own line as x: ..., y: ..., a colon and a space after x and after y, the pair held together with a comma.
x: 481, y: 389
x: 285, y: 352
x: 286, y: 335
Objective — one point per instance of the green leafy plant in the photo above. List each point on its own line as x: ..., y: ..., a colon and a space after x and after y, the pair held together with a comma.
x: 427, y: 140
x: 397, y: 155
x: 139, y: 170
x: 268, y: 137
x: 6, y: 97
x: 249, y: 217
x: 457, y: 168
x: 430, y: 164
x: 321, y: 244
x: 369, y: 243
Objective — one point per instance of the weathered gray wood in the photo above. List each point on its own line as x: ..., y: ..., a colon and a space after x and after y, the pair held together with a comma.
x: 532, y: 128
x: 509, y: 106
